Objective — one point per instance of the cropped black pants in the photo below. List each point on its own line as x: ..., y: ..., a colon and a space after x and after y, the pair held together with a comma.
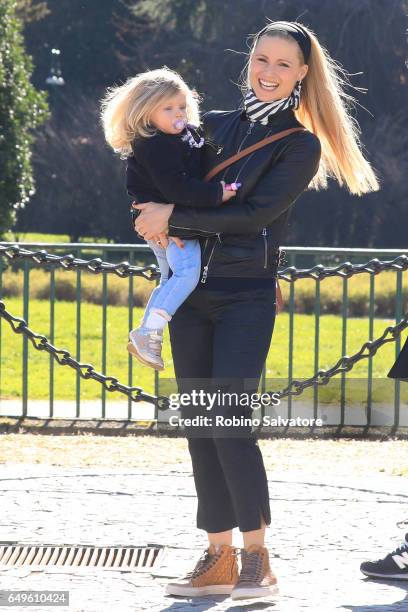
x: 400, y: 367
x: 220, y: 339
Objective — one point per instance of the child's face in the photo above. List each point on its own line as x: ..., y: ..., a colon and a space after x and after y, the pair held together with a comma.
x: 171, y: 110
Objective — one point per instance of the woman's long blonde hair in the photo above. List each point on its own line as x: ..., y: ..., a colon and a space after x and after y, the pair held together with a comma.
x: 126, y: 109
x: 325, y: 110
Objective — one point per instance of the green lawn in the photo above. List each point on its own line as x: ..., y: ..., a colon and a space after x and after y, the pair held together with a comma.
x: 117, y: 356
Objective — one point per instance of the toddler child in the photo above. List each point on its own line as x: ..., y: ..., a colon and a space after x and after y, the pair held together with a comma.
x: 152, y: 121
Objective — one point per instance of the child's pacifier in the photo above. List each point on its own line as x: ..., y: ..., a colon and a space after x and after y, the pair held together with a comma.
x: 179, y: 124
x: 232, y: 186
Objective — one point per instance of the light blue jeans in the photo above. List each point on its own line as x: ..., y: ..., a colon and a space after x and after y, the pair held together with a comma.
x: 185, y: 264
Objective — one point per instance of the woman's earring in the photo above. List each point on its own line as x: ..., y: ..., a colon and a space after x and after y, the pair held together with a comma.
x: 296, y: 94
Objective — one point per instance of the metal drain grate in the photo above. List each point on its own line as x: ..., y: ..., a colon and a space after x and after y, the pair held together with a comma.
x: 121, y: 557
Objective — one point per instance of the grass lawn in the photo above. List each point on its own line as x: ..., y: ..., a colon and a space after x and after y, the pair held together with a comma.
x: 117, y: 356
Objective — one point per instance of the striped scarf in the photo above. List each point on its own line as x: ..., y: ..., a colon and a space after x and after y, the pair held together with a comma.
x: 261, y: 111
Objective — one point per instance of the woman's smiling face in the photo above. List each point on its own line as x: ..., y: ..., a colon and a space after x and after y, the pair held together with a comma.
x: 275, y: 66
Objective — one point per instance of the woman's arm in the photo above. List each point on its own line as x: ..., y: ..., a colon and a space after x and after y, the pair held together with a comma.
x: 274, y: 194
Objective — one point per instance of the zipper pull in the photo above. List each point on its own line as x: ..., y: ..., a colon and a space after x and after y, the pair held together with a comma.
x: 205, y: 272
x: 265, y: 247
x: 213, y: 145
x: 219, y: 239
x: 251, y: 126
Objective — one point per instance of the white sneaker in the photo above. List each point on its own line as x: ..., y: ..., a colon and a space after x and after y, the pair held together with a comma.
x: 146, y: 345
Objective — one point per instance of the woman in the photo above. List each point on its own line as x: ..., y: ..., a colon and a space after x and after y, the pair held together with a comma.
x: 220, y: 336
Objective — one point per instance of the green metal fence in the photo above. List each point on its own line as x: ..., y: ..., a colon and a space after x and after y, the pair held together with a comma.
x: 19, y: 402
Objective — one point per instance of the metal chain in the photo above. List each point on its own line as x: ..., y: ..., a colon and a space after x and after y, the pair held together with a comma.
x: 345, y: 364
x: 124, y: 269
x: 345, y: 270
x: 69, y: 262
x: 85, y: 370
x: 322, y: 377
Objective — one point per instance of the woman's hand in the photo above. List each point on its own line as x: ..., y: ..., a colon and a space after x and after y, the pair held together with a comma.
x: 163, y: 240
x: 153, y: 220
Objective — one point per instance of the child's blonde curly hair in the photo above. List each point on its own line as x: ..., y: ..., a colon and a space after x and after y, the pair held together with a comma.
x: 126, y: 109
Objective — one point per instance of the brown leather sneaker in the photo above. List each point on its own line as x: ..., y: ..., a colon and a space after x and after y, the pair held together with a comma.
x: 215, y: 573
x: 256, y: 578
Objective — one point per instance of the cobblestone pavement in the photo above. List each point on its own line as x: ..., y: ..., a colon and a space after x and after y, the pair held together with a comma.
x: 322, y: 529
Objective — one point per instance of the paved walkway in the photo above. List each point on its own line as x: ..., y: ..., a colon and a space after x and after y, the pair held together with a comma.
x: 322, y: 531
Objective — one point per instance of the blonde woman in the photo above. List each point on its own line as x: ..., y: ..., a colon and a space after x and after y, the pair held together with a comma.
x: 221, y: 334
x: 152, y: 121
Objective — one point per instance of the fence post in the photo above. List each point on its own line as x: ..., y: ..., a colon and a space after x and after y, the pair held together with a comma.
x: 292, y: 263
x: 52, y: 334
x: 1, y: 320
x: 344, y: 349
x: 316, y: 346
x: 78, y: 338
x: 370, y: 360
x: 398, y: 317
x: 104, y: 331
x: 26, y: 296
x: 130, y: 325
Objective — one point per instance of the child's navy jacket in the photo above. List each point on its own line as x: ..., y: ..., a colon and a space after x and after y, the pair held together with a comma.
x: 165, y: 168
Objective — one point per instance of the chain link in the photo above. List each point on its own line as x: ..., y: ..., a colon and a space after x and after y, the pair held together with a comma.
x: 151, y: 272
x: 69, y: 262
x: 124, y: 269
x: 345, y: 269
x: 85, y: 370
x: 296, y: 387
x: 345, y: 364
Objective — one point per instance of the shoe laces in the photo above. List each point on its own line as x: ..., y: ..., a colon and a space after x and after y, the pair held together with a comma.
x: 205, y: 562
x: 251, y: 570
x: 402, y: 548
x: 398, y: 551
x: 155, y: 342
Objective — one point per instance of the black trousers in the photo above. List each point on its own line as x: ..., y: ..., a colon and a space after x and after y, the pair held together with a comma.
x: 220, y: 338
x: 400, y: 367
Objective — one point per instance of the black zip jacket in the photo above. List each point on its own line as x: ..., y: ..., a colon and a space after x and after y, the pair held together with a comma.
x: 164, y: 168
x: 241, y: 237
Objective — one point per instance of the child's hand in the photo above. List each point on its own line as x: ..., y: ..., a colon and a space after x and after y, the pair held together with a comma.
x: 227, y: 194
x: 177, y: 241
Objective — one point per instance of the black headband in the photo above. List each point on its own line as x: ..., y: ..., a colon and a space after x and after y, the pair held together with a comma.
x: 295, y: 30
